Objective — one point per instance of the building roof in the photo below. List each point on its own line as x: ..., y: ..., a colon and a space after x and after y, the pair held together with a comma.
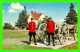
x: 35, y: 15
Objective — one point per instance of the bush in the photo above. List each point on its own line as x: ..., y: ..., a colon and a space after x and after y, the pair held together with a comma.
x: 7, y: 26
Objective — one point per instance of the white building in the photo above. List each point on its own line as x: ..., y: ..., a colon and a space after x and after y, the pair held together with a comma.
x: 36, y: 16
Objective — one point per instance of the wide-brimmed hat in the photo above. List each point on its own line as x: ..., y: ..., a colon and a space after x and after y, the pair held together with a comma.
x: 32, y: 19
x: 49, y: 18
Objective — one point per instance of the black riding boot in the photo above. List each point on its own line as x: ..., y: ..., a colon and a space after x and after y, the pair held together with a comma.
x: 29, y: 42
x: 53, y: 39
x: 34, y: 39
x: 48, y: 40
x: 35, y: 42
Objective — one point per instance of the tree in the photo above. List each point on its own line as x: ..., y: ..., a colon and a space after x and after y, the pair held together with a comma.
x: 7, y: 26
x: 21, y: 22
x: 71, y: 18
x: 45, y: 18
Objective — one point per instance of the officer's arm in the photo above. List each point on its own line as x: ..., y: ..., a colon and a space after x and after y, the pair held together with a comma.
x: 54, y: 25
x: 35, y: 26
x: 28, y: 25
x: 46, y: 24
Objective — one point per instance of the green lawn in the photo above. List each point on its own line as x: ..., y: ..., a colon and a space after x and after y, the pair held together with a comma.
x: 14, y: 34
x: 72, y: 46
x: 24, y: 34
x: 17, y: 34
x: 23, y: 47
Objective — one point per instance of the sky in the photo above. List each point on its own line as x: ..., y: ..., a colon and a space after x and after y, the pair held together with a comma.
x: 58, y: 11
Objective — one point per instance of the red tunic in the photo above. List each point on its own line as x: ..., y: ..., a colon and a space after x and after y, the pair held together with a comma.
x: 50, y: 27
x: 32, y: 27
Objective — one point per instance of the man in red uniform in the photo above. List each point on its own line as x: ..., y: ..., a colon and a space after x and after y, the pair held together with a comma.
x: 50, y: 30
x: 32, y: 31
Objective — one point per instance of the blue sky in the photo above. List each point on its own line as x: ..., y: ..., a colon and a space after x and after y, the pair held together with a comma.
x: 57, y: 11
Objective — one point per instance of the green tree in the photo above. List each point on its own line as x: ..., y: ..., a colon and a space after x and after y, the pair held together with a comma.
x: 7, y: 26
x: 45, y: 18
x: 71, y: 18
x: 21, y: 22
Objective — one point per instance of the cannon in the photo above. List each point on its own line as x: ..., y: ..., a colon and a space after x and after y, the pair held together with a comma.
x: 73, y: 31
x: 42, y: 35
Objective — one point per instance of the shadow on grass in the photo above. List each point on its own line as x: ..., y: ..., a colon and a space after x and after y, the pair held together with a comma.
x: 25, y: 42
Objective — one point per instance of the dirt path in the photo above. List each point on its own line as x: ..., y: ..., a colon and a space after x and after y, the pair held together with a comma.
x: 22, y: 41
x: 17, y: 41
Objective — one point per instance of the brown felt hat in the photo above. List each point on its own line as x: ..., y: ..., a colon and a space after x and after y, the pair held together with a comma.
x: 32, y: 19
x: 49, y: 18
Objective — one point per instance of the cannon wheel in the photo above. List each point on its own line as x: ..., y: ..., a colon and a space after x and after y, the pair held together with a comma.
x: 76, y: 31
x: 41, y: 32
x: 60, y: 36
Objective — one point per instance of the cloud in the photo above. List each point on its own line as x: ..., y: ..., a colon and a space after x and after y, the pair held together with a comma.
x: 59, y: 20
x: 37, y: 10
x: 31, y: 9
x: 42, y: 11
x: 2, y: 10
x: 16, y: 6
x: 11, y: 11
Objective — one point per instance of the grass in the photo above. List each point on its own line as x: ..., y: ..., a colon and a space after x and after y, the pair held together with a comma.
x: 17, y: 34
x: 23, y: 47
x: 14, y: 34
x: 24, y: 34
x: 27, y: 47
x: 72, y: 46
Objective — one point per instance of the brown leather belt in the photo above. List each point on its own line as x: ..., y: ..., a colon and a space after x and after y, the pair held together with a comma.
x: 50, y: 27
x: 32, y: 27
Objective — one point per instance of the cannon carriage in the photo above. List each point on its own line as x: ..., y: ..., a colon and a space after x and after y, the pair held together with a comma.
x: 42, y: 34
x: 73, y: 31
